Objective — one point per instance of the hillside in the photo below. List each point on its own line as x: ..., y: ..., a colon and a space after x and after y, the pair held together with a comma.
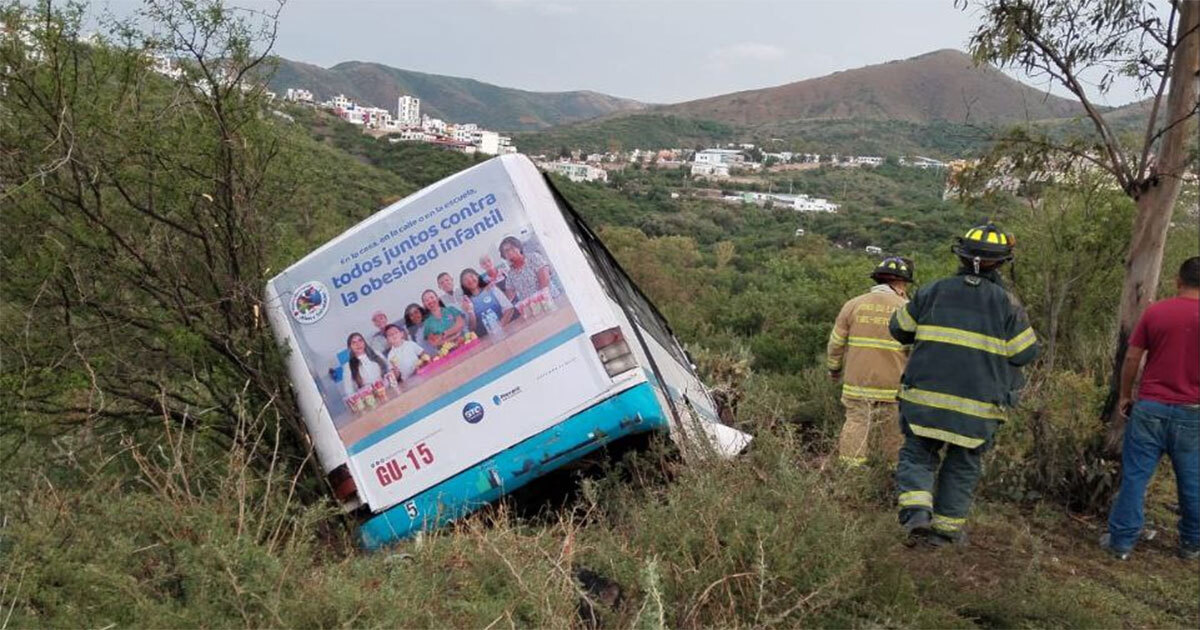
x: 944, y: 85
x: 163, y: 478
x: 936, y: 104
x: 854, y: 136
x: 450, y: 98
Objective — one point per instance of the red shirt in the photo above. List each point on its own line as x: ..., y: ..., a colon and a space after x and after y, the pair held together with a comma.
x: 1169, y: 331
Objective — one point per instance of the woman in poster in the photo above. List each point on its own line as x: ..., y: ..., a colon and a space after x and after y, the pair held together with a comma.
x: 404, y: 355
x: 414, y: 320
x: 365, y: 365
x: 444, y: 324
x: 527, y: 274
x: 484, y: 304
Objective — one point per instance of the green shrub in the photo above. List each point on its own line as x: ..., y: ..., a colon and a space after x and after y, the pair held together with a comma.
x: 1050, y: 448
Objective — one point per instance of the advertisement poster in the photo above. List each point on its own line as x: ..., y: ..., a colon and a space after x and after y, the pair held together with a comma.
x: 438, y: 333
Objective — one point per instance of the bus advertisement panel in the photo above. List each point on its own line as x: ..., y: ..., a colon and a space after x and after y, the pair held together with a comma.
x: 437, y: 333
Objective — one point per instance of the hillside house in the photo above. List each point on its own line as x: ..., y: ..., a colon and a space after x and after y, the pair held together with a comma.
x: 799, y: 203
x: 298, y: 95
x: 705, y: 169
x: 575, y: 171
x: 728, y: 157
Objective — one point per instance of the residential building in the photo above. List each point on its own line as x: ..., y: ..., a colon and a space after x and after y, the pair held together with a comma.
x: 433, y: 125
x: 918, y: 161
x: 464, y: 132
x: 799, y: 203
x: 706, y: 169
x: 576, y: 172
x: 412, y: 135
x: 376, y: 117
x: 298, y: 95
x: 488, y: 142
x: 728, y: 157
x: 165, y: 65
x: 408, y: 111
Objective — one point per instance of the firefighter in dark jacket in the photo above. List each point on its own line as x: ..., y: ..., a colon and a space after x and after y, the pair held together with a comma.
x: 970, y: 337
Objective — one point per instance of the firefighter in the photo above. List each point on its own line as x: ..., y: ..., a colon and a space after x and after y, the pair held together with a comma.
x: 970, y: 338
x: 869, y: 361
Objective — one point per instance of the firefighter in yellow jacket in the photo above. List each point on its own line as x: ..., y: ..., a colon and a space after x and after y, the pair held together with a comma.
x: 869, y: 361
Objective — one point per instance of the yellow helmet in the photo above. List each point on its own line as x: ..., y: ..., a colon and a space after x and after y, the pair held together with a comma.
x: 985, y: 242
x: 894, y: 266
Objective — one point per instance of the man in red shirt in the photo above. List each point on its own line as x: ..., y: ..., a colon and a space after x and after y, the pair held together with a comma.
x: 1165, y: 418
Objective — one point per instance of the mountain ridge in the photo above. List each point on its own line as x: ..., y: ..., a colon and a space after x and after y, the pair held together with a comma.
x: 943, y: 85
x: 455, y: 99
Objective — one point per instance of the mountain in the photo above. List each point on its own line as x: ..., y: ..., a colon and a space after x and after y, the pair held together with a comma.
x: 943, y: 85
x: 450, y: 98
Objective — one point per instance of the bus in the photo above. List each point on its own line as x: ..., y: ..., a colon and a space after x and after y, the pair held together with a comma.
x: 468, y: 339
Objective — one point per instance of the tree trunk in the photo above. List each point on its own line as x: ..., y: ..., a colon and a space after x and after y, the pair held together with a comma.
x: 1156, y: 201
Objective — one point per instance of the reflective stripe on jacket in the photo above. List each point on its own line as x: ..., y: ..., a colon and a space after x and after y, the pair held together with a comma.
x: 862, y: 348
x: 970, y: 338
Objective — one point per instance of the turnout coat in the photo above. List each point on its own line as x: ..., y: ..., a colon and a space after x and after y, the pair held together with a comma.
x: 970, y: 337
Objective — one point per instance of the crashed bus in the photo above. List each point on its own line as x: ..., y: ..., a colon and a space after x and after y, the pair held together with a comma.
x: 468, y: 339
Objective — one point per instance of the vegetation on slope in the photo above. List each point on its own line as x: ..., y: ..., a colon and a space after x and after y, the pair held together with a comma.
x: 196, y: 504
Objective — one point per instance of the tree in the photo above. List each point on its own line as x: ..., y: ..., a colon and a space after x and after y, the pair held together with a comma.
x: 148, y: 183
x: 1074, y: 43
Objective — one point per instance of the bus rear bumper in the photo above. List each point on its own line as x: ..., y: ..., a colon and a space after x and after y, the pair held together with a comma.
x: 634, y: 410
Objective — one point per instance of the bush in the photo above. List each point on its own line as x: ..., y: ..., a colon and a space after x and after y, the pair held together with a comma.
x: 1051, y: 447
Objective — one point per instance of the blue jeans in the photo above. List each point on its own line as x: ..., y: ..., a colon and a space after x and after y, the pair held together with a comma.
x: 1155, y: 428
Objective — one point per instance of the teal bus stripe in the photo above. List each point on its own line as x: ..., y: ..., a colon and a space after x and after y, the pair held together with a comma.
x: 420, y: 413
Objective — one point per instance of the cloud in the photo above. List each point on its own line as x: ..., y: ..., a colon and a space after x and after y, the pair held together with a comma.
x: 543, y: 7
x: 731, y: 55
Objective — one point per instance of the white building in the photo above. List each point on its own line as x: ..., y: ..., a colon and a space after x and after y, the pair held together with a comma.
x: 704, y: 169
x: 488, y: 142
x: 464, y: 132
x: 433, y: 125
x: 165, y: 65
x: 576, y: 172
x: 863, y: 160
x: 728, y: 157
x: 341, y: 101
x: 298, y: 95
x: 804, y: 203
x: 376, y: 117
x: 921, y: 162
x: 412, y: 135
x: 408, y: 111
x: 799, y: 203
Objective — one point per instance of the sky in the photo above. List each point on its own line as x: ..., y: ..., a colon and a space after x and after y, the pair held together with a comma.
x: 657, y: 51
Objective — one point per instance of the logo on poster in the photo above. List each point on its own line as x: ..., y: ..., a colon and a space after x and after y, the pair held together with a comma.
x: 309, y: 302
x: 503, y: 396
x: 473, y: 412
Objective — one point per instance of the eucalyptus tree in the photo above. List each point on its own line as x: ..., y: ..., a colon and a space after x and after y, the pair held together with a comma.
x: 1082, y: 43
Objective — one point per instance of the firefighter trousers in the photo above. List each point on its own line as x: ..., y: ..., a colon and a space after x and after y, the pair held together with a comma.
x: 872, y: 427
x: 940, y: 485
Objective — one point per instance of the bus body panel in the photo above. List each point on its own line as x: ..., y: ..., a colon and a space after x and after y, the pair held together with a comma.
x: 635, y: 410
x: 572, y: 404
